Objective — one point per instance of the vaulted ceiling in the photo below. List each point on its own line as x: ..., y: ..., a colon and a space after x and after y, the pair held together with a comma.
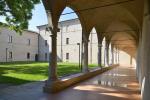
x: 111, y: 18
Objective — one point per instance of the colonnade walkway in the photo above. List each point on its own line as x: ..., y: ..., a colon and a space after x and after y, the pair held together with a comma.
x: 117, y: 84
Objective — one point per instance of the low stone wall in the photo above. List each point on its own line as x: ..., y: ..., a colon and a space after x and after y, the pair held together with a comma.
x: 62, y: 84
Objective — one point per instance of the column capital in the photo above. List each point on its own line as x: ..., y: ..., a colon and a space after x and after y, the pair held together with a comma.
x: 53, y: 30
x: 53, y: 35
x: 85, y: 40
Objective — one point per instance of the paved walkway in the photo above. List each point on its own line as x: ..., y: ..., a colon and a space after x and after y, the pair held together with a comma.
x: 117, y: 84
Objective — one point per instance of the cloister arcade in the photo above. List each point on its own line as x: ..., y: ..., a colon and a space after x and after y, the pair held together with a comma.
x: 118, y: 21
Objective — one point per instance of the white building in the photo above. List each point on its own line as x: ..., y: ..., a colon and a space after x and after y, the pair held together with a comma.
x: 16, y: 47
x: 69, y: 41
x: 32, y: 46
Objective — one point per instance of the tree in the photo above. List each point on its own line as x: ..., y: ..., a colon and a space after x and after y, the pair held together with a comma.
x: 17, y: 13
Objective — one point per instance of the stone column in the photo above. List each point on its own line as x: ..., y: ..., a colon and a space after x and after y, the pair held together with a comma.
x: 107, y: 54
x: 52, y: 75
x: 104, y: 56
x: 116, y: 56
x: 99, y: 54
x: 138, y: 64
x: 112, y: 53
x: 53, y: 59
x: 146, y: 54
x: 85, y: 57
x: 131, y: 62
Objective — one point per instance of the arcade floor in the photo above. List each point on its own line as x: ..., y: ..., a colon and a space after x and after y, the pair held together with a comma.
x: 117, y: 84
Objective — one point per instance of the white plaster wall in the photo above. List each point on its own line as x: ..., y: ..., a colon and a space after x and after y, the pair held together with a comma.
x: 19, y: 46
x: 44, y: 35
x: 68, y: 29
x: 125, y: 59
x: 73, y: 31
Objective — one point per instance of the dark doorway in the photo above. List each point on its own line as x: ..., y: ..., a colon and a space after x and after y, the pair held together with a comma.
x: 36, y: 57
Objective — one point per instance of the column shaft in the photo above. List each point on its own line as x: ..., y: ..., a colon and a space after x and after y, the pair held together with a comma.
x: 116, y: 55
x: 85, y: 57
x: 53, y: 59
x: 107, y: 54
x: 145, y: 58
x: 99, y: 55
x: 112, y: 52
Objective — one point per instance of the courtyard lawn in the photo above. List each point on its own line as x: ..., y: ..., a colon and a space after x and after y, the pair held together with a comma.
x: 23, y: 72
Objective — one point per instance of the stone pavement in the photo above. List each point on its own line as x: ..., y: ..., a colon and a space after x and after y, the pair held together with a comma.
x: 117, y: 84
x: 3, y: 86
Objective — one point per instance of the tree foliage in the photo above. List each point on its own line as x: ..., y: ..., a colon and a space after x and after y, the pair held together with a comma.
x: 17, y: 13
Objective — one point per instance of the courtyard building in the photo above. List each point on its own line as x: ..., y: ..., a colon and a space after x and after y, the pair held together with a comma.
x: 36, y: 46
x: 69, y: 45
x: 18, y: 47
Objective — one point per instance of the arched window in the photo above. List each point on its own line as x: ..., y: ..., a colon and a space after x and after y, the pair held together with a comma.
x: 93, y: 47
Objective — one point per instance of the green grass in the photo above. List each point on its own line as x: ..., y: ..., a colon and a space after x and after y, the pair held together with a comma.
x: 23, y: 72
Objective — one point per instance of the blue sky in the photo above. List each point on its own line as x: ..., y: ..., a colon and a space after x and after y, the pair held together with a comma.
x: 39, y: 17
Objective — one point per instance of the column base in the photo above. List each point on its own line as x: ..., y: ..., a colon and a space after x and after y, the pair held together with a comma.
x: 85, y: 70
x: 100, y: 66
x: 146, y: 89
x: 106, y: 65
x: 50, y: 86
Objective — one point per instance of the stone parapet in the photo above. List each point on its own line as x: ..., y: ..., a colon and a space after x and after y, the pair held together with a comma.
x: 65, y: 83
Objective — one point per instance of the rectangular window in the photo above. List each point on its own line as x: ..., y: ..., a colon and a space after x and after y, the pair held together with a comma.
x: 29, y: 41
x: 67, y: 40
x: 28, y: 55
x: 46, y: 43
x: 10, y: 55
x: 67, y: 56
x: 9, y: 39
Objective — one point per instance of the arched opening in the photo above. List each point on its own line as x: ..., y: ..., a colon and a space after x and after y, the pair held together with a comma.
x: 69, y: 41
x: 64, y: 17
x: 124, y: 39
x: 125, y: 48
x: 93, y: 49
